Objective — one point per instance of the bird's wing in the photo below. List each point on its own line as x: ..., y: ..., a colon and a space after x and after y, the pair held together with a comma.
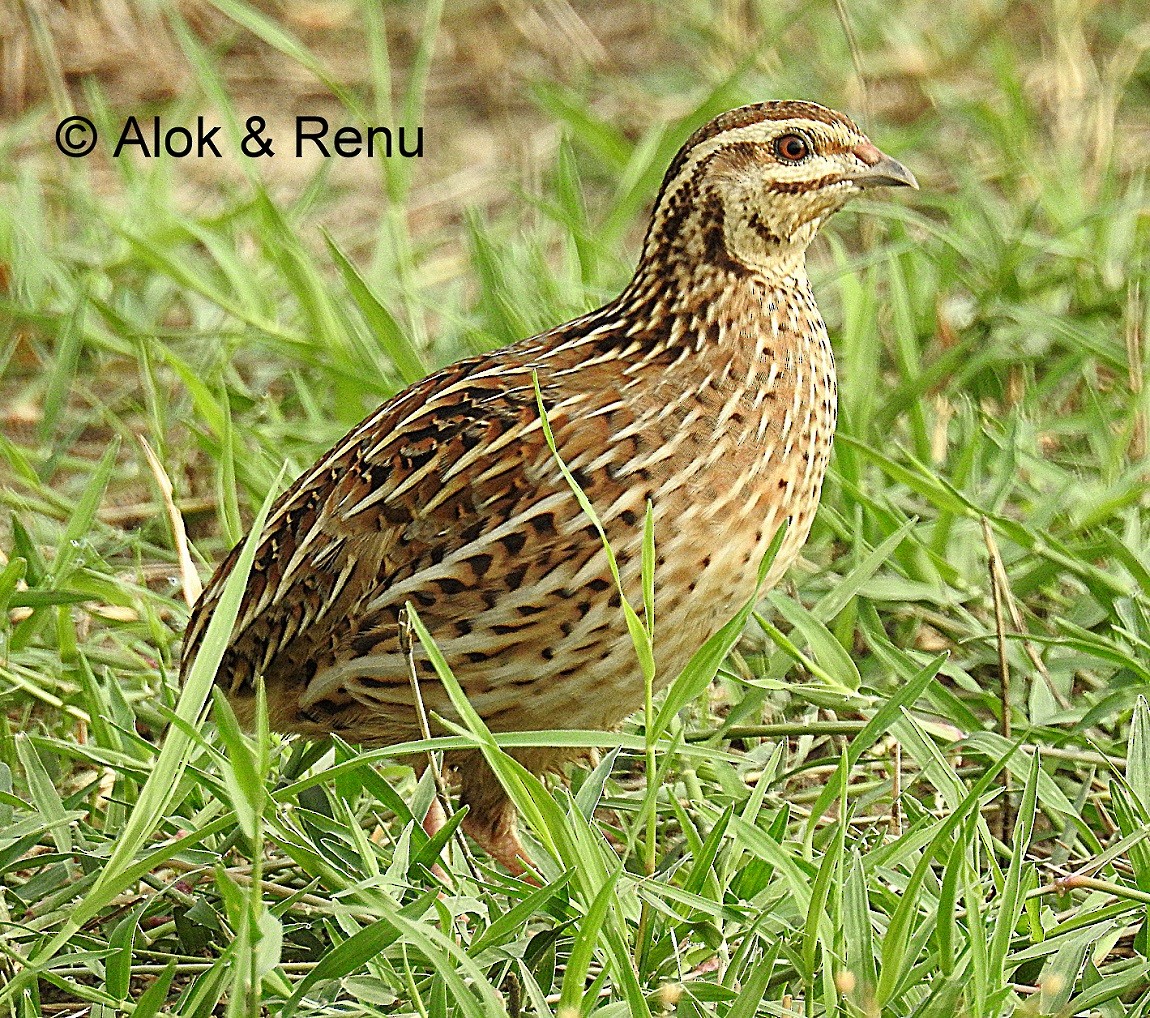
x: 428, y: 500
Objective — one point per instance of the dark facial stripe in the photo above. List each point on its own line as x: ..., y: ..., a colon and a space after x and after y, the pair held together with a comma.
x: 764, y: 231
x: 685, y: 202
x: 801, y: 186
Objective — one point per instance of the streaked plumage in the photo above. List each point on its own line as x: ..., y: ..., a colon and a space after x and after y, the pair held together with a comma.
x: 707, y: 386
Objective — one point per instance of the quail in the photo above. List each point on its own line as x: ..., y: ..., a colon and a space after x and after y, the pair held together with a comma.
x: 707, y: 388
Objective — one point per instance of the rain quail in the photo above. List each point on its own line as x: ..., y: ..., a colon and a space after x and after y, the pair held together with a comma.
x: 707, y: 387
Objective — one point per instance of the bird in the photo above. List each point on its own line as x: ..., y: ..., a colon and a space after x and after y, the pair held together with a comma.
x: 706, y: 390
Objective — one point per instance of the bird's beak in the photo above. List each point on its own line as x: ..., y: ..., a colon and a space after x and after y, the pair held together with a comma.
x: 880, y: 170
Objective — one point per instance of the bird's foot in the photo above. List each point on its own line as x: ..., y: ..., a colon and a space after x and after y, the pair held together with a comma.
x: 500, y: 840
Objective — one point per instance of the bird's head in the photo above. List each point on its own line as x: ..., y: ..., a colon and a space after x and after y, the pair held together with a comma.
x: 749, y: 190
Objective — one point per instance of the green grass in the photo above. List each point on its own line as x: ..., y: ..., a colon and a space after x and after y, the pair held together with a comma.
x: 921, y: 784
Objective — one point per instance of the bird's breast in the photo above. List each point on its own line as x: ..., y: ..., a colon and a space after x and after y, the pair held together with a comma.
x: 728, y: 445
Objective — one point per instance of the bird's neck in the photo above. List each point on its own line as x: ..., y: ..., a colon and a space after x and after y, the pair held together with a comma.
x: 704, y: 304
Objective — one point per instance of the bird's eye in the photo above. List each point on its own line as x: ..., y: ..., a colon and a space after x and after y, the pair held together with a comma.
x: 792, y: 148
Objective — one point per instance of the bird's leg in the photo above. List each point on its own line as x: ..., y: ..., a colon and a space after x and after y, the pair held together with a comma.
x: 492, y: 822
x: 435, y: 819
x: 499, y: 838
x: 433, y: 823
